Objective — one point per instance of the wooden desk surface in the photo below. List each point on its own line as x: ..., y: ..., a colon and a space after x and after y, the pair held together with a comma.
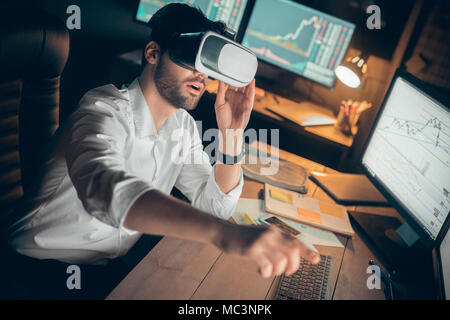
x: 180, y: 269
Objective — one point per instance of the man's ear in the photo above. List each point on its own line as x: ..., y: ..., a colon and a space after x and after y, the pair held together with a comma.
x: 152, y: 53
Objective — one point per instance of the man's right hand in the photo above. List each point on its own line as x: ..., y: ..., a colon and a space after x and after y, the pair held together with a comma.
x: 274, y: 251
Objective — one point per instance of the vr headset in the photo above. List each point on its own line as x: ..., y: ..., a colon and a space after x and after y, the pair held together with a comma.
x: 214, y: 55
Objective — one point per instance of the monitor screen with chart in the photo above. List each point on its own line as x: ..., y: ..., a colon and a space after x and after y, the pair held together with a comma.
x: 408, y: 154
x: 229, y: 11
x: 297, y: 38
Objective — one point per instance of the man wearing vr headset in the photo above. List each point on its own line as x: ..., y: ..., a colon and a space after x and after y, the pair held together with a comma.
x: 108, y: 182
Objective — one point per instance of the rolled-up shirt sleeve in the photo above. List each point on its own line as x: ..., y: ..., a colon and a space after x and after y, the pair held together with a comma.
x: 95, y: 145
x: 197, y: 182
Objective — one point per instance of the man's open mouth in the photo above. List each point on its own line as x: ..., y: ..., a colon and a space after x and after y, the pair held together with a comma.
x: 195, y: 87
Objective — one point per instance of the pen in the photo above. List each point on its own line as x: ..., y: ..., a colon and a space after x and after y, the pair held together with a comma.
x: 363, y: 106
x: 276, y: 99
x: 355, y: 106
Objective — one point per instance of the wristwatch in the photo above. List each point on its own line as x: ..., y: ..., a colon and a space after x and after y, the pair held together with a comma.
x: 228, y: 159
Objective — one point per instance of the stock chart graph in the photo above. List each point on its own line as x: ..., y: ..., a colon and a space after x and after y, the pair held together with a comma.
x: 228, y: 11
x: 298, y: 38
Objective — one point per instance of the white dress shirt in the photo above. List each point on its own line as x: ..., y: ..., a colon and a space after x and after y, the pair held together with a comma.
x: 107, y: 155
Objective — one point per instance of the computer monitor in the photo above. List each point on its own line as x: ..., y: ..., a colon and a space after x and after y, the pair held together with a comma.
x: 441, y: 260
x: 407, y: 155
x: 229, y: 11
x: 297, y: 38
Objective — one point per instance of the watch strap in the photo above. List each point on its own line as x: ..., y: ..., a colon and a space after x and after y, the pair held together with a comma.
x: 230, y: 160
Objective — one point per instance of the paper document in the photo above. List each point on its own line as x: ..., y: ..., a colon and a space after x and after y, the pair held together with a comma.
x: 315, y: 235
x: 309, y: 235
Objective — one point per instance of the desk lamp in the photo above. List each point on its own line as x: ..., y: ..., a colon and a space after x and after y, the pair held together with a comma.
x: 351, y: 71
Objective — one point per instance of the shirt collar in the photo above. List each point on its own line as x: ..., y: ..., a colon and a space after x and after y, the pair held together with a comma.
x: 143, y: 119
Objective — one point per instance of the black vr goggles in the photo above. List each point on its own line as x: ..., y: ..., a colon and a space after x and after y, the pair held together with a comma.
x: 214, y: 55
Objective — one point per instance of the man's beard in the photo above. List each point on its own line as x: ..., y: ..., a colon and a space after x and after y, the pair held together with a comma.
x: 172, y: 90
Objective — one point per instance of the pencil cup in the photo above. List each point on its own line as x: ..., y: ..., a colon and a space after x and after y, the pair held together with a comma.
x: 346, y: 120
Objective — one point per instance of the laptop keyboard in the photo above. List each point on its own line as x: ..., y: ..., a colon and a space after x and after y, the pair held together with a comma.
x: 309, y: 282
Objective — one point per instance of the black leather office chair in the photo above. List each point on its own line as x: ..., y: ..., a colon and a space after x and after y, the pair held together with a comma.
x: 34, y: 48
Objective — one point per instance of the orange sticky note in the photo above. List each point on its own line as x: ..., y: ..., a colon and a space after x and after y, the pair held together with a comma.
x: 310, y: 216
x: 331, y: 209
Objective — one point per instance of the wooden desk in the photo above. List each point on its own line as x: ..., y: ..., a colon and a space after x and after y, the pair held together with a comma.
x: 179, y: 269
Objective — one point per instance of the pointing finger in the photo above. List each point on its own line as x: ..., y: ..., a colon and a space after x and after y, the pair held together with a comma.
x: 307, y: 253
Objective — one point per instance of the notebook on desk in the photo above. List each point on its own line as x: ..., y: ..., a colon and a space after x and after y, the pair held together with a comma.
x: 300, y: 208
x: 304, y: 113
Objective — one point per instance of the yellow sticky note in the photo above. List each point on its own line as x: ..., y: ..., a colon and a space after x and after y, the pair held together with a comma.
x: 331, y: 209
x: 248, y: 219
x: 280, y: 195
x: 310, y: 216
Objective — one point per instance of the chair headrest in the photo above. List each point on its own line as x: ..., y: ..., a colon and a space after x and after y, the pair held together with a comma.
x: 33, y: 44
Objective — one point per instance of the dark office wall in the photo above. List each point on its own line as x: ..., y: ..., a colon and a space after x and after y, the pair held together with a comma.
x: 107, y: 29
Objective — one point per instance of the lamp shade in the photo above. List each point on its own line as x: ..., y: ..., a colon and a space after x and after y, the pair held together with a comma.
x: 351, y: 71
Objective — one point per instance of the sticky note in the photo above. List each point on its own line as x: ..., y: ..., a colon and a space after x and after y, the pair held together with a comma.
x: 310, y: 216
x: 248, y: 219
x: 280, y: 195
x: 331, y: 209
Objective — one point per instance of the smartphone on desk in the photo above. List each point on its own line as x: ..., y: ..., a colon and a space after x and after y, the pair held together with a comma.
x: 283, y: 226
x: 290, y: 230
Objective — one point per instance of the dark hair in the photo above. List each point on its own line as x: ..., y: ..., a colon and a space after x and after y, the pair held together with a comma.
x: 178, y: 17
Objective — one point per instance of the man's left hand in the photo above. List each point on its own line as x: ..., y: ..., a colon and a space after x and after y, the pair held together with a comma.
x: 233, y: 106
